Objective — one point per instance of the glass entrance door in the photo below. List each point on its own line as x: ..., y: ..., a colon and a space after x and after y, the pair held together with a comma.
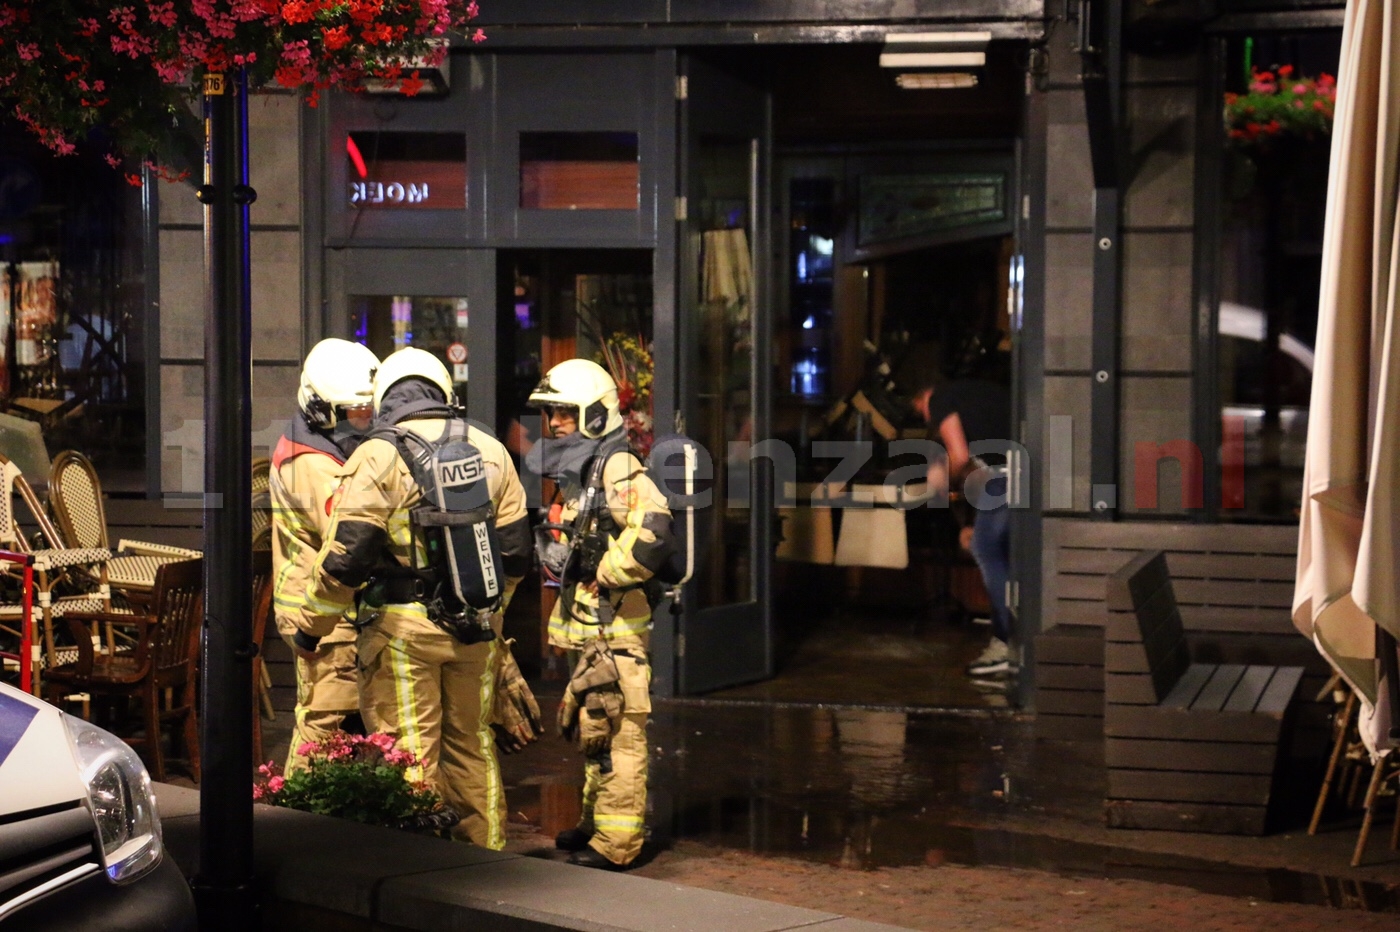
x: 726, y: 631
x: 438, y: 300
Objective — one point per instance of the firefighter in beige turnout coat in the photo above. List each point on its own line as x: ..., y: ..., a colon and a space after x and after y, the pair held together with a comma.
x: 335, y: 407
x: 418, y: 682
x: 603, y: 619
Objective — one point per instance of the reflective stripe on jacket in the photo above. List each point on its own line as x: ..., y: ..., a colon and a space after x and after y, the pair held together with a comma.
x: 631, y: 498
x: 302, y: 487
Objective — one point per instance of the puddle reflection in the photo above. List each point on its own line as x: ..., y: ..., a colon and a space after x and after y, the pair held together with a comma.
x: 862, y: 788
x: 829, y: 833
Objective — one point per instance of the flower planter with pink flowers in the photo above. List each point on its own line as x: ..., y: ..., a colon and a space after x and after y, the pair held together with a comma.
x: 364, y: 778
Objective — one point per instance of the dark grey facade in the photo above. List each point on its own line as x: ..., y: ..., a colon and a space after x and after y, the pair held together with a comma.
x: 1113, y: 346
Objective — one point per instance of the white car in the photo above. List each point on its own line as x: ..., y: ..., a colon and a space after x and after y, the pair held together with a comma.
x: 80, y: 842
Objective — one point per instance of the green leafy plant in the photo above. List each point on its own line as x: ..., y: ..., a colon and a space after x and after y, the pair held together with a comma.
x: 121, y: 76
x: 1280, y: 104
x: 364, y: 778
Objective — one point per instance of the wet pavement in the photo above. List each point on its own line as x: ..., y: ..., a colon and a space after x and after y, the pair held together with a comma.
x: 871, y: 750
x: 868, y: 788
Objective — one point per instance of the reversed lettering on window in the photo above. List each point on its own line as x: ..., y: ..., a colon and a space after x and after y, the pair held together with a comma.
x: 393, y: 193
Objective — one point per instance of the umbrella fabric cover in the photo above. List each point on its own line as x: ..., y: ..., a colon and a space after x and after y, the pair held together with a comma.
x: 1347, y: 546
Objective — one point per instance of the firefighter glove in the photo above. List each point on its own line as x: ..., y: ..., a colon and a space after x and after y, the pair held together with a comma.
x: 567, y: 716
x: 516, y: 716
x: 601, y: 708
x: 596, y: 668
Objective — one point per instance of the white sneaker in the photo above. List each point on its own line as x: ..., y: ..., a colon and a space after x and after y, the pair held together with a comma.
x: 995, y: 659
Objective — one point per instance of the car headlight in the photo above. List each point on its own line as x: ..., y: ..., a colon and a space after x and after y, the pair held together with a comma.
x: 120, y: 798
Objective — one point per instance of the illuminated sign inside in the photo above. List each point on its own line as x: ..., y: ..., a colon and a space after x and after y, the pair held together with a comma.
x: 377, y: 192
x: 406, y: 171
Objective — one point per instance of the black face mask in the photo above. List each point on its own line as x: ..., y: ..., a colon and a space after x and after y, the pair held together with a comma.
x: 562, y: 459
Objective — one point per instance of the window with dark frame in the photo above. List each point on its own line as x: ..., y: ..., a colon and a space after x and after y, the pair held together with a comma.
x: 1272, y: 184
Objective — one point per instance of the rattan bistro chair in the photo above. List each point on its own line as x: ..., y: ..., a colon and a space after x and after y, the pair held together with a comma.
x: 76, y: 498
x: 163, y: 660
x: 262, y: 612
x: 80, y: 571
x: 262, y: 503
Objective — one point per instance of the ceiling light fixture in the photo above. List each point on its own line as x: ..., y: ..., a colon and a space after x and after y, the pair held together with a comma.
x: 943, y: 59
x: 935, y: 50
x: 935, y: 80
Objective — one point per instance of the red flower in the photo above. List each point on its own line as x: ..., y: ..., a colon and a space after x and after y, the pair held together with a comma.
x: 336, y: 37
x: 288, y: 76
x: 297, y: 11
x: 626, y: 395
x: 1285, y: 70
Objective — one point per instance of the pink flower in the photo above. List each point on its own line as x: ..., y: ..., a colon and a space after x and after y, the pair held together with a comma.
x: 400, y: 759
x: 28, y: 51
x: 171, y: 71
x: 1300, y: 88
x: 297, y: 53
x: 479, y: 36
x: 162, y: 14
x: 275, y: 784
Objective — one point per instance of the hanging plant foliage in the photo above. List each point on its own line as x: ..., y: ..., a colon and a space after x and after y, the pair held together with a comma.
x: 1280, y: 104
x: 122, y: 76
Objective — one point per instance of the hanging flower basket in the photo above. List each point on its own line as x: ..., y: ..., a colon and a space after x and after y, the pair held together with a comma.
x: 1280, y: 105
x: 121, y: 76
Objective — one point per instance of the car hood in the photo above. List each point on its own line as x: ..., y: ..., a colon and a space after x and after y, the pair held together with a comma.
x: 37, y: 768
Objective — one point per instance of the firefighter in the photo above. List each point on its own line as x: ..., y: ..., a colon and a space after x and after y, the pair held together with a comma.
x: 420, y: 678
x: 336, y: 405
x: 610, y: 537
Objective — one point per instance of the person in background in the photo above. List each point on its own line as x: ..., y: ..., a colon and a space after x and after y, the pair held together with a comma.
x: 335, y: 408
x: 966, y: 413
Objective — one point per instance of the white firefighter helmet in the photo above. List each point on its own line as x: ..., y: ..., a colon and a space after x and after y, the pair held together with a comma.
x: 410, y: 363
x: 586, y: 387
x: 337, y: 374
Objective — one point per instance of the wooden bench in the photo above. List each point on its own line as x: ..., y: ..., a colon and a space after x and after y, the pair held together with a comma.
x: 1188, y: 746
x: 1069, y: 683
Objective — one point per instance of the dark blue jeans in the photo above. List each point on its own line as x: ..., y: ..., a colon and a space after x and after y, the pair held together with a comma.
x: 991, y: 548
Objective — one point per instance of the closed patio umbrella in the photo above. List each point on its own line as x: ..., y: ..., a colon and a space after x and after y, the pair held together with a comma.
x: 1347, y: 594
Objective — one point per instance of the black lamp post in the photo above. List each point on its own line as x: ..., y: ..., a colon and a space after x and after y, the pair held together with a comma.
x: 223, y: 887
